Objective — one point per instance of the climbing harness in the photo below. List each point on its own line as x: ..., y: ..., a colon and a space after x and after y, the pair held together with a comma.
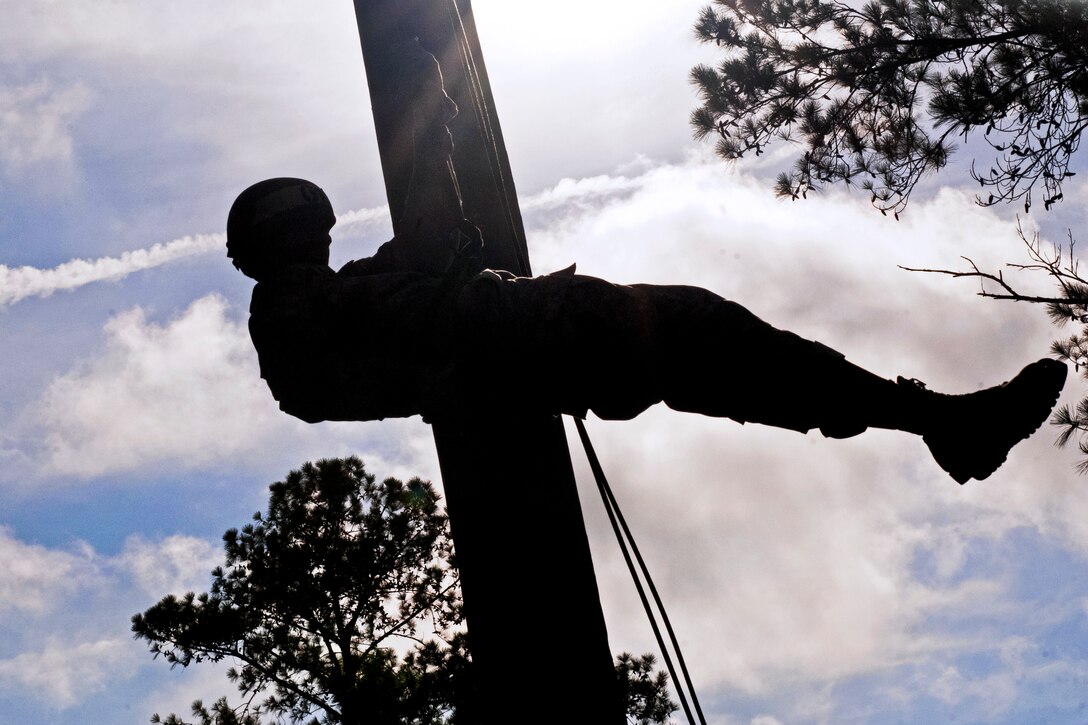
x: 629, y: 547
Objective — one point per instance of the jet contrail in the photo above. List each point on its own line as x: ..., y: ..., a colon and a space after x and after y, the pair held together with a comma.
x: 18, y: 283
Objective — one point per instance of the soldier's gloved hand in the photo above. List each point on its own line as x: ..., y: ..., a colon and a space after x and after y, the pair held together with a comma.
x: 467, y: 243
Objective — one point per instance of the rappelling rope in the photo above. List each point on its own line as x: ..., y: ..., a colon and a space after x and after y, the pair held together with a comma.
x: 628, y: 546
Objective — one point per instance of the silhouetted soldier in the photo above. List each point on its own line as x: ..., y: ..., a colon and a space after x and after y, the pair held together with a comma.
x: 385, y: 337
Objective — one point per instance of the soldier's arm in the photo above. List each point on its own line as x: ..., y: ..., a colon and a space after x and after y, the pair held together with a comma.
x: 431, y: 204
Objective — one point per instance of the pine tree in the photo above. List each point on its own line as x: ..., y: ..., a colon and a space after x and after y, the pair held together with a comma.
x: 342, y: 605
x: 878, y: 92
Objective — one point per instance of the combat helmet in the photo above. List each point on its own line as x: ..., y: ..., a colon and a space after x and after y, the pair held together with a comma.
x: 277, y: 221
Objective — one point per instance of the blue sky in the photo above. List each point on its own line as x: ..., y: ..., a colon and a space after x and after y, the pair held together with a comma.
x: 812, y: 581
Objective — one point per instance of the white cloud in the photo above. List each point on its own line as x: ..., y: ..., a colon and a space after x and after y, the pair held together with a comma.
x: 779, y: 560
x: 581, y: 87
x: 174, y: 565
x: 993, y: 695
x: 185, y: 392
x: 63, y: 673
x: 35, y: 123
x: 37, y: 580
x: 578, y: 194
x: 206, y: 683
x: 83, y: 601
x: 279, y: 86
x: 19, y: 283
x: 180, y: 44
x: 32, y: 577
x: 228, y: 70
x: 188, y: 394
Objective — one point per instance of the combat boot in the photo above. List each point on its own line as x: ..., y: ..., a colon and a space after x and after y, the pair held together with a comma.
x: 970, y: 435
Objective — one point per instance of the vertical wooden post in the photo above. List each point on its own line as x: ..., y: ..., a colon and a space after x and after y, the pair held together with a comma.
x: 536, y: 629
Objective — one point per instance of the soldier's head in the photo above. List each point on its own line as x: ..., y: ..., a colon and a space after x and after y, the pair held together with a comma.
x: 277, y: 223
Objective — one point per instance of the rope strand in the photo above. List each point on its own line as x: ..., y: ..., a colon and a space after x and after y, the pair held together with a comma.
x: 625, y: 539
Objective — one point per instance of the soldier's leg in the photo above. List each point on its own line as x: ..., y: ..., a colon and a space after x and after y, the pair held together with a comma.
x: 617, y: 350
x: 581, y: 343
x: 717, y: 358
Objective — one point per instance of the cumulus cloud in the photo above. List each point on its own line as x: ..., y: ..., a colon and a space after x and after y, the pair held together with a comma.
x: 579, y: 194
x: 187, y: 391
x: 780, y: 560
x: 33, y: 577
x: 995, y: 694
x: 202, y: 47
x: 205, y: 683
x: 35, y: 123
x: 36, y: 580
x: 174, y: 565
x: 85, y: 598
x: 63, y: 673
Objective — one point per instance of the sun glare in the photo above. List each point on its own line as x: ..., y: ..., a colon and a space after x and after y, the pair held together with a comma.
x: 566, y: 27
